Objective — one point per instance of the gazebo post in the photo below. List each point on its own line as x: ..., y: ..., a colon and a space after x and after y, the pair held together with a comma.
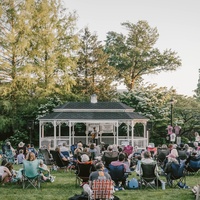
x: 54, y: 126
x: 132, y: 133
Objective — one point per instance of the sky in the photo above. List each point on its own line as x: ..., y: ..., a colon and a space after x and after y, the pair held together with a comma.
x: 177, y: 22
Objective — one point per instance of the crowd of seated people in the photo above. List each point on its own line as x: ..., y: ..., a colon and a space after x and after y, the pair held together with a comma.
x: 118, y: 155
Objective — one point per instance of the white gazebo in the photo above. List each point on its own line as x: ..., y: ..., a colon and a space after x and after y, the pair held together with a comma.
x: 105, y: 116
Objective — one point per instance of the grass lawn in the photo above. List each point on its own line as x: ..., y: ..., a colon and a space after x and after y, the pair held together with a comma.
x: 64, y: 187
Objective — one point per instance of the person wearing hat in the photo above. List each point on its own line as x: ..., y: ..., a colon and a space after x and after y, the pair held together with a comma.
x: 22, y: 146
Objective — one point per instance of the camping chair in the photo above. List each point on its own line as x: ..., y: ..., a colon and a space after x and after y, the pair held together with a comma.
x: 193, y: 167
x: 161, y: 156
x: 118, y: 174
x: 108, y: 157
x: 176, y: 176
x: 102, y: 189
x: 83, y: 172
x: 148, y: 175
x: 182, y: 156
x: 31, y: 174
x: 45, y: 155
x: 58, y: 160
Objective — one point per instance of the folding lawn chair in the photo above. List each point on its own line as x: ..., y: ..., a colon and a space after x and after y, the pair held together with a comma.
x: 118, y: 174
x: 177, y: 176
x: 102, y: 189
x: 58, y: 160
x: 83, y: 172
x: 193, y: 167
x: 31, y: 174
x: 45, y: 155
x: 148, y: 176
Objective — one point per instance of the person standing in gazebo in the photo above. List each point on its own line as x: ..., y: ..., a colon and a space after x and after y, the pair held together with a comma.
x: 94, y: 136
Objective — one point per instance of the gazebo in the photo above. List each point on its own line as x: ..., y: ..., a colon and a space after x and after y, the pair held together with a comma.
x: 59, y: 126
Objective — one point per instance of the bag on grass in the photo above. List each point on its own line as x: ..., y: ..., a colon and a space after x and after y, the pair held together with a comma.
x: 133, y: 184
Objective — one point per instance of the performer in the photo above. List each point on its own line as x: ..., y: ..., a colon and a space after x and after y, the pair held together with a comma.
x: 94, y: 135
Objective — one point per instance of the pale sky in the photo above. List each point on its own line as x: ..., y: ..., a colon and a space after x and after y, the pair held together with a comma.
x: 177, y: 21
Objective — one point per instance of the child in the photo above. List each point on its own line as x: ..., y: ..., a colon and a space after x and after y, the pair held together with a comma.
x: 45, y: 172
x: 20, y: 157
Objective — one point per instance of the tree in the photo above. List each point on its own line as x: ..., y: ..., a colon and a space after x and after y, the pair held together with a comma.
x: 93, y: 74
x: 152, y: 102
x: 197, y: 91
x: 134, y: 55
x: 187, y: 115
x: 37, y: 43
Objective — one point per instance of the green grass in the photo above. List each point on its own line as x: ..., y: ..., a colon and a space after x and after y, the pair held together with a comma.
x: 64, y: 187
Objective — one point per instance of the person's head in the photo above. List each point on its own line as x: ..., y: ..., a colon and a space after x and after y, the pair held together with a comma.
x: 181, y: 145
x: 57, y: 149
x: 99, y: 166
x: 85, y: 158
x: 41, y: 162
x: 164, y: 146
x: 64, y: 144
x: 9, y: 166
x: 79, y: 145
x: 147, y: 154
x: 92, y: 146
x: 28, y: 145
x: 20, y: 151
x: 186, y: 146
x: 30, y: 156
x: 110, y: 148
x: 121, y: 157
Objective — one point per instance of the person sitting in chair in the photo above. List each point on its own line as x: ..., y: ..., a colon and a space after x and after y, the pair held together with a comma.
x: 99, y: 174
x: 121, y: 161
x: 5, y: 174
x: 148, y: 160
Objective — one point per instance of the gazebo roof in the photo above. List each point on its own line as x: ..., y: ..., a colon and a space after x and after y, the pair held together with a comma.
x: 85, y: 111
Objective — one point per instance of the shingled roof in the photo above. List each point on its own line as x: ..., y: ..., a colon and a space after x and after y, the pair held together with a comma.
x: 93, y: 111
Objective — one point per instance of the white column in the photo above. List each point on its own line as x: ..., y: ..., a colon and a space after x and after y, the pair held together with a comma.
x: 128, y: 131
x: 54, y: 125
x: 132, y: 133
x: 73, y: 133
x: 117, y: 133
x: 70, y: 135
x: 40, y: 134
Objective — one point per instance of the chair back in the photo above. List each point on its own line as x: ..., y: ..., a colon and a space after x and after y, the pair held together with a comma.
x: 46, y: 156
x: 182, y: 154
x: 148, y: 171
x: 194, y: 165
x: 57, y: 158
x: 31, y: 168
x: 84, y: 170
x: 102, y: 189
x: 117, y: 173
x: 108, y: 157
x: 161, y: 154
x: 177, y: 170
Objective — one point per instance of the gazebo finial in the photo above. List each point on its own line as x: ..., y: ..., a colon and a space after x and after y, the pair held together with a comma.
x: 93, y: 98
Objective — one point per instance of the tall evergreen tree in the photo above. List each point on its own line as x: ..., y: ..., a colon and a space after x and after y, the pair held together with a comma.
x: 197, y: 91
x: 93, y: 74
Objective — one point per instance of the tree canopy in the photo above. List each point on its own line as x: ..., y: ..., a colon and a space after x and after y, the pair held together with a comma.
x: 134, y: 55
